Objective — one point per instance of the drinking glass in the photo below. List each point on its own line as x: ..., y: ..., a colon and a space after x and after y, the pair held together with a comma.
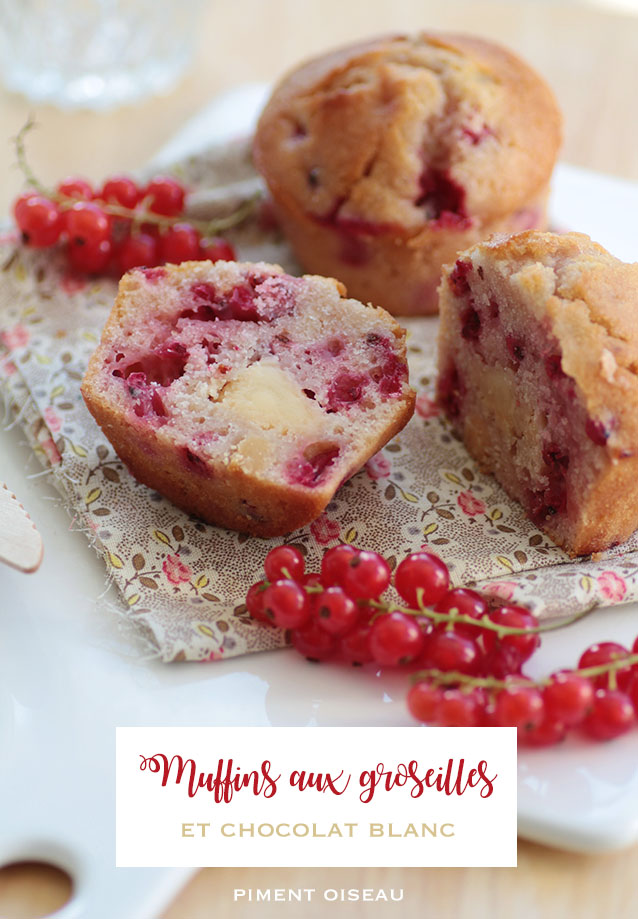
x: 95, y: 53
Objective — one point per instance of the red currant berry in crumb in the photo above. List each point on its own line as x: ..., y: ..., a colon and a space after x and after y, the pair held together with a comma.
x: 395, y: 638
x: 460, y: 709
x: 90, y: 258
x: 38, y: 219
x: 313, y: 642
x: 286, y: 604
x: 334, y: 564
x: 604, y: 653
x: 520, y: 707
x: 463, y: 602
x: 612, y: 714
x: 546, y: 734
x: 513, y: 617
x: 255, y: 602
x: 120, y: 190
x: 425, y: 571
x: 179, y: 244
x: 137, y: 251
x: 355, y: 646
x: 86, y: 222
x: 75, y: 187
x: 284, y: 562
x: 216, y: 250
x: 336, y: 612
x: 423, y: 700
x: 367, y: 576
x: 568, y: 698
x: 451, y: 650
x: 166, y: 196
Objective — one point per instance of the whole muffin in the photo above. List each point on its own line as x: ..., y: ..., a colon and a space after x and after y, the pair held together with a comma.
x: 384, y: 159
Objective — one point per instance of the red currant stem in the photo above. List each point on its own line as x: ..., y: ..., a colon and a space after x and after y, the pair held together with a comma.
x: 453, y: 676
x: 309, y: 588
x: 483, y: 623
x: 139, y: 214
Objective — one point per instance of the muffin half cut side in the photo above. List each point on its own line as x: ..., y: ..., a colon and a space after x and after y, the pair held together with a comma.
x: 243, y: 394
x: 538, y: 356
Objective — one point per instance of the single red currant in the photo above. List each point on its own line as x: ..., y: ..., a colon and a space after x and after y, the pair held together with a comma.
x: 605, y: 652
x: 423, y: 700
x: 334, y: 564
x: 612, y: 714
x: 255, y: 602
x: 513, y: 617
x: 121, y: 190
x: 457, y: 708
x: 367, y: 576
x: 38, y: 219
x: 395, y: 638
x: 166, y: 196
x: 336, y: 612
x: 545, y: 734
x: 568, y: 698
x: 422, y: 571
x: 178, y: 244
x: 463, y: 602
x: 520, y: 707
x: 20, y: 205
x: 137, y: 251
x: 355, y: 646
x: 313, y: 642
x: 451, y: 650
x: 75, y: 187
x: 286, y: 604
x: 216, y: 250
x: 284, y: 562
x: 89, y: 257
x: 502, y: 661
x: 86, y: 223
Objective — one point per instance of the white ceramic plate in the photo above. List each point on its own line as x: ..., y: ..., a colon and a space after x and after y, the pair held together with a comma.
x: 71, y: 672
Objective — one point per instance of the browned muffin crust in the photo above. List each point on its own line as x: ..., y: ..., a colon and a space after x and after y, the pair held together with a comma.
x: 386, y: 157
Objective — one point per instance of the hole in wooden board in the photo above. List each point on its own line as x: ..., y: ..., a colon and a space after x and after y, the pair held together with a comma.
x: 32, y: 890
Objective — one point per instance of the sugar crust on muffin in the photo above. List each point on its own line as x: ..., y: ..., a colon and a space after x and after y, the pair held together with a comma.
x: 387, y: 157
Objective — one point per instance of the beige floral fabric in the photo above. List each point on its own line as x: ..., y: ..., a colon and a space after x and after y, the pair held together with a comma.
x: 183, y: 582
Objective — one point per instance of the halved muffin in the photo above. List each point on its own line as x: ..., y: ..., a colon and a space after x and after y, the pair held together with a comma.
x: 243, y: 394
x: 538, y: 363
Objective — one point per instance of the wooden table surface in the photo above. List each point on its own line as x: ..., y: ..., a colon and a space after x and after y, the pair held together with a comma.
x: 590, y: 57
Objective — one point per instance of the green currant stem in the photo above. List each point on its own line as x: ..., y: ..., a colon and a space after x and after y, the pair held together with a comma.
x: 138, y: 215
x: 453, y: 617
x: 445, y: 677
x: 483, y: 623
x: 310, y: 589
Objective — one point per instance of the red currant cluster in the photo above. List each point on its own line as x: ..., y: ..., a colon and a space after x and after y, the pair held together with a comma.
x: 467, y: 656
x: 119, y: 226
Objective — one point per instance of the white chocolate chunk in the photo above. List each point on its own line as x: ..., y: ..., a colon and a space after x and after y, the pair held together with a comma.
x: 267, y: 396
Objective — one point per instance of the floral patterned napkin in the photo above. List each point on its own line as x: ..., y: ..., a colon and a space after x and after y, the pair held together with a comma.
x: 183, y: 582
